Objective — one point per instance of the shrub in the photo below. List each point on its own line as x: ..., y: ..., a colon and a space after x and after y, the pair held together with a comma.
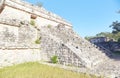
x: 37, y: 41
x: 54, y: 59
x: 39, y: 4
x: 32, y: 22
x: 49, y: 26
x: 21, y: 22
x: 119, y: 40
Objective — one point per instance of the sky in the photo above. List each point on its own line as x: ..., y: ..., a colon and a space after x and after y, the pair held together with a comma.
x: 88, y: 17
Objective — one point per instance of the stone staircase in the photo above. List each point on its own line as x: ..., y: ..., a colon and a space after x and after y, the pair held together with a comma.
x: 63, y: 42
x: 86, y: 54
x: 70, y: 48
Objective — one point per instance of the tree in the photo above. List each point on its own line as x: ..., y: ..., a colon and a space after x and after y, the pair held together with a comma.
x: 36, y: 2
x: 88, y: 37
x: 39, y: 3
x: 106, y: 34
x: 102, y: 34
x: 115, y: 26
x: 114, y: 35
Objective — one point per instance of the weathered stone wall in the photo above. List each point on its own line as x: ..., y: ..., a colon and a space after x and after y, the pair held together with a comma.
x: 54, y: 40
x: 8, y: 35
x: 45, y: 22
x: 22, y: 10
x: 14, y: 56
x: 55, y: 34
x: 51, y: 47
x: 22, y: 34
x: 66, y: 44
x: 11, y: 13
x: 17, y: 43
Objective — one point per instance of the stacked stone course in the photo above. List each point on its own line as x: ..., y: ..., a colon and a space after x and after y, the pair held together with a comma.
x: 17, y: 43
x: 85, y: 51
x: 18, y: 36
x: 54, y: 44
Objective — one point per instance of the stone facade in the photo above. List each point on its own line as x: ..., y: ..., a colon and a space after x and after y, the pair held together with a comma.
x: 24, y: 10
x: 22, y: 24
x: 14, y: 56
x: 66, y: 42
x: 17, y: 42
x: 55, y: 34
x: 99, y: 40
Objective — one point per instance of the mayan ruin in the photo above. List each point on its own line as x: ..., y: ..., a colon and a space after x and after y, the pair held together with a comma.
x: 31, y: 33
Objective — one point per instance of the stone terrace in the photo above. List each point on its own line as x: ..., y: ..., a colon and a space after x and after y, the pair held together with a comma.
x: 82, y: 48
x: 66, y: 44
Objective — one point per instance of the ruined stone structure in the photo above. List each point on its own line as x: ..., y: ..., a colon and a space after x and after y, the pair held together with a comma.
x: 31, y: 33
x: 55, y: 34
x: 17, y: 36
x: 99, y: 40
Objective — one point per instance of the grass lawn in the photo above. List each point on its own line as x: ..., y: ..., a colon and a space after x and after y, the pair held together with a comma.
x: 36, y: 70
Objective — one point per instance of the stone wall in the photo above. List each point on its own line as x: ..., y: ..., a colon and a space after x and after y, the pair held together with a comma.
x: 17, y: 42
x: 20, y: 34
x: 54, y: 40
x: 69, y: 47
x: 8, y: 35
x: 14, y: 56
x: 55, y: 34
x: 51, y: 47
x: 23, y: 10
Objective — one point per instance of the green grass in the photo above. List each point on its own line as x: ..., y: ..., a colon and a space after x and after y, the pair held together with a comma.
x: 36, y: 70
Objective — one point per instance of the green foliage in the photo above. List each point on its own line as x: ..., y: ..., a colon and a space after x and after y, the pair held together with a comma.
x: 115, y: 35
x: 106, y: 34
x: 21, y: 22
x: 39, y: 4
x: 32, y: 22
x: 115, y: 26
x: 118, y: 39
x: 37, y: 41
x: 116, y: 29
x: 49, y: 26
x: 88, y: 38
x: 103, y: 34
x: 54, y: 59
x: 37, y: 70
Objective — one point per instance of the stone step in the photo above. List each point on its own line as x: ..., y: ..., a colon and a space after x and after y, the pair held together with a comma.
x: 85, y: 51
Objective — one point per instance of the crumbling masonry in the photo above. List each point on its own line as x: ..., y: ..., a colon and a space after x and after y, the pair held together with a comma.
x: 21, y: 24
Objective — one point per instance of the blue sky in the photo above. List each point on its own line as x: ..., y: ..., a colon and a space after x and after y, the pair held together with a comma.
x: 88, y: 17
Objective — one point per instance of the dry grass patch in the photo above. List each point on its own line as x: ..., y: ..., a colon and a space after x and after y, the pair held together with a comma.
x: 36, y: 70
